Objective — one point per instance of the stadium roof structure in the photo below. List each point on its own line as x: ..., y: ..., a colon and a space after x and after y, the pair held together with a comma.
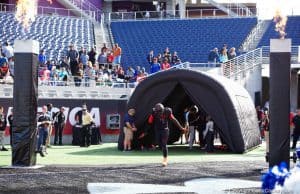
x: 228, y: 103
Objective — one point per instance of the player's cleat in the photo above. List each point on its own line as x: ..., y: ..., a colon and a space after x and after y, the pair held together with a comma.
x: 165, y: 162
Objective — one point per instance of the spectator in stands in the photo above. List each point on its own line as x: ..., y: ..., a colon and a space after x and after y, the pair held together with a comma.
x: 2, y: 128
x: 159, y: 58
x: 150, y: 57
x: 73, y: 56
x: 231, y: 53
x: 165, y: 65
x: 7, y: 50
x: 89, y: 73
x: 4, y: 71
x: 45, y: 75
x: 117, y: 52
x: 110, y: 59
x: 11, y: 66
x: 81, y: 51
x: 213, y: 56
x: 104, y: 49
x: 54, y: 76
x: 155, y: 66
x: 178, y: 61
x: 174, y: 58
x: 42, y: 58
x: 167, y: 54
x: 141, y: 75
x: 223, y: 56
x: 63, y: 63
x: 130, y: 74
x: 3, y: 59
x: 121, y: 73
x: 59, y: 124
x: 84, y: 58
x: 78, y: 75
x: 137, y: 71
x: 63, y: 75
x: 92, y: 55
x: 102, y: 59
x: 129, y: 128
x: 85, y: 120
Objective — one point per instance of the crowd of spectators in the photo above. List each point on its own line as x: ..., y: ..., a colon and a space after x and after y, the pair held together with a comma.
x: 6, y: 63
x: 223, y: 56
x: 88, y: 68
x: 162, y: 61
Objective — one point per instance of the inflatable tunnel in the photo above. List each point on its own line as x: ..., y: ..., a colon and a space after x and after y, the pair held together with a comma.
x: 228, y: 103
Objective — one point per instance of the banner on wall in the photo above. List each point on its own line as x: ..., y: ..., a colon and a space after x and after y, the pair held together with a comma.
x: 101, y: 110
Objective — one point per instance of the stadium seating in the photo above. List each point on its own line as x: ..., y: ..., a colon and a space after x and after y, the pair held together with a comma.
x: 192, y: 38
x: 292, y: 30
x: 54, y: 33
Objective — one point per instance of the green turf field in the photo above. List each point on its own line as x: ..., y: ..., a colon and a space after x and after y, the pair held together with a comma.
x: 108, y: 154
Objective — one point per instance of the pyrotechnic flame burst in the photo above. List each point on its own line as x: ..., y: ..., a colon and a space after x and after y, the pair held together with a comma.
x: 280, y: 21
x: 26, y: 11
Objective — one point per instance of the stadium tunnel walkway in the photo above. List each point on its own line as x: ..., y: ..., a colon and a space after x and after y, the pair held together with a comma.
x: 228, y: 103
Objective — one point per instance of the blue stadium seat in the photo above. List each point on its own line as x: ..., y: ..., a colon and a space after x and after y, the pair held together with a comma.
x: 54, y: 33
x: 192, y: 39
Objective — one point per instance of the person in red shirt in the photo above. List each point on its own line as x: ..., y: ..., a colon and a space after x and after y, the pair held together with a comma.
x: 165, y: 65
x: 160, y: 119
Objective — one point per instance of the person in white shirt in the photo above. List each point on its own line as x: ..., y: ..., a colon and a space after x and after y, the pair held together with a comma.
x: 7, y: 50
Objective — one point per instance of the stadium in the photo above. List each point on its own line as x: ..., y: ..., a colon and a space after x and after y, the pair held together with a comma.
x: 110, y: 56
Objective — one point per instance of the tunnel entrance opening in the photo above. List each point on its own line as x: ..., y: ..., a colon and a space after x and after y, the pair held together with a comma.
x: 179, y: 100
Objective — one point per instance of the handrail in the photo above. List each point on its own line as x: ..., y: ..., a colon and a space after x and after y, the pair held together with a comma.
x: 88, y: 8
x: 43, y: 10
x: 170, y: 14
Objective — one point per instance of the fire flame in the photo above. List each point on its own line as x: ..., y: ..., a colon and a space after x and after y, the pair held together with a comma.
x: 27, y: 11
x: 280, y: 21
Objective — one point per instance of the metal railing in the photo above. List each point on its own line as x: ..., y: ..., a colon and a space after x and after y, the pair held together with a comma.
x: 88, y: 8
x: 49, y: 11
x: 172, y: 14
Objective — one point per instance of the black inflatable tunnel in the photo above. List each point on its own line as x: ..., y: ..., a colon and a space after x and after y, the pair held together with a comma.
x: 228, y: 103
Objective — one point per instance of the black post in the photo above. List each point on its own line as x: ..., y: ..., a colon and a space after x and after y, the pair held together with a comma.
x: 25, y: 103
x: 280, y: 65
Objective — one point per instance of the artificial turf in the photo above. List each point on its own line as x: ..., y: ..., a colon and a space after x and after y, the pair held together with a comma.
x: 108, y: 153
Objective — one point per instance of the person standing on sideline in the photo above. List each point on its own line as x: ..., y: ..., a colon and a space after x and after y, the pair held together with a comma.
x: 85, y: 120
x: 50, y: 113
x: 2, y: 128
x: 10, y: 121
x: 129, y: 128
x: 209, y: 135
x: 160, y: 119
x: 44, y: 122
x: 193, y: 119
x: 59, y: 124
x: 296, y: 133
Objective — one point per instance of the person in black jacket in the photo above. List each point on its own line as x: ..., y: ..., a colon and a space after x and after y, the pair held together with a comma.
x: 10, y: 121
x: 59, y: 124
x: 2, y: 128
x: 296, y: 134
